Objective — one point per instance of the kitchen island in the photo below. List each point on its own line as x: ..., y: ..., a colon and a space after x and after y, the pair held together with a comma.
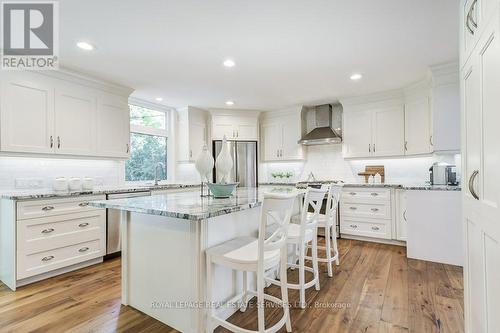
x: 164, y: 238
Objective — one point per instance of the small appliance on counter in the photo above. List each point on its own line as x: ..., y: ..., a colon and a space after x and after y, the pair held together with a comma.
x: 441, y: 173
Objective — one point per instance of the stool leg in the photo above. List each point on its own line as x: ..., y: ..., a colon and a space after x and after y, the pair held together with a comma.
x: 243, y: 307
x: 335, y: 246
x: 328, y: 241
x: 284, y: 289
x: 295, y: 256
x: 302, y: 278
x: 260, y: 301
x: 210, y: 310
x: 315, y: 259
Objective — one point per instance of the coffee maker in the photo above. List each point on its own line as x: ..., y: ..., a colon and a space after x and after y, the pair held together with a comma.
x: 441, y: 173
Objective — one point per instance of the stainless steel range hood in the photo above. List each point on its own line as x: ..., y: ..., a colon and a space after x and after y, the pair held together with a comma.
x: 322, y: 124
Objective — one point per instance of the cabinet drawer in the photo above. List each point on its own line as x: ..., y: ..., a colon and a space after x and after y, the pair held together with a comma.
x: 373, y: 229
x: 380, y: 210
x: 41, y: 262
x: 365, y: 194
x: 53, y: 207
x: 42, y: 234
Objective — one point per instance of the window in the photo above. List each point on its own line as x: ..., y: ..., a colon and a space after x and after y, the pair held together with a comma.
x: 148, y: 143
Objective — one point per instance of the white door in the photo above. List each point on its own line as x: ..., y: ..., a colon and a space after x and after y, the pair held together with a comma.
x: 358, y: 134
x: 197, y: 138
x: 291, y: 149
x: 481, y: 105
x: 27, y: 113
x: 417, y: 127
x: 75, y: 121
x: 402, y: 219
x: 388, y: 131
x: 113, y: 126
x: 271, y: 134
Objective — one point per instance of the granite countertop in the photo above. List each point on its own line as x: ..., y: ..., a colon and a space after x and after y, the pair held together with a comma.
x: 47, y: 193
x: 417, y: 187
x: 190, y: 206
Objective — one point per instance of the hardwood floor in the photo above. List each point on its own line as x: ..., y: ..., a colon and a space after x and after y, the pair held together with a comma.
x: 375, y: 289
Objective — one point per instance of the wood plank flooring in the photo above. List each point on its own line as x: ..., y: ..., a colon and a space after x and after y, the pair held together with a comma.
x: 375, y: 289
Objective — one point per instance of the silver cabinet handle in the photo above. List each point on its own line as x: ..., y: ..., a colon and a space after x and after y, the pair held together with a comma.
x: 431, y: 140
x: 58, y: 142
x: 83, y: 225
x: 472, y: 10
x: 471, y: 184
x: 375, y: 209
x: 369, y: 148
x: 47, y: 231
x: 48, y: 258
x: 51, y: 141
x: 83, y: 204
x: 467, y: 21
x: 374, y: 150
x: 237, y: 133
x: 83, y: 249
x: 353, y: 226
x: 375, y: 228
x: 374, y: 194
x: 353, y: 208
x: 190, y: 153
x: 353, y: 193
x: 406, y: 145
x: 277, y: 153
x: 128, y: 148
x: 233, y: 134
x: 404, y: 216
x: 47, y: 208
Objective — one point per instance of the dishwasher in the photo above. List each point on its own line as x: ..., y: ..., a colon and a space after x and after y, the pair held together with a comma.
x: 113, y: 230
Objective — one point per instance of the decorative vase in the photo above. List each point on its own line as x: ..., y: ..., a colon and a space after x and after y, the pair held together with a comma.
x: 224, y: 163
x: 204, y: 164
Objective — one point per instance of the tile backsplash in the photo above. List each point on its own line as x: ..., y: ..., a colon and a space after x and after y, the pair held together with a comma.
x: 30, y: 172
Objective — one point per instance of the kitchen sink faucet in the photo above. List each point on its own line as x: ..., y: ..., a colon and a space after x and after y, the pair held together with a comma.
x: 162, y: 166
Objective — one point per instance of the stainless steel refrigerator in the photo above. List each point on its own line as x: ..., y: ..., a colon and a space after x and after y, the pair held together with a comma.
x: 244, y: 155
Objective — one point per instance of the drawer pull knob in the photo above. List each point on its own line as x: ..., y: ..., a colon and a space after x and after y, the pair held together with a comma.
x: 353, y: 208
x: 47, y: 208
x: 374, y: 209
x: 374, y: 194
x: 83, y: 225
x: 375, y: 228
x: 47, y: 231
x: 48, y: 258
x: 352, y: 193
x: 353, y: 226
x: 83, y: 204
x: 83, y: 249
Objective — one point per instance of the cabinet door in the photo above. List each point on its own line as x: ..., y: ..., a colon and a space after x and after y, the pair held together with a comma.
x: 417, y: 127
x: 291, y: 150
x: 27, y: 113
x: 75, y: 121
x: 113, y: 130
x: 197, y: 138
x: 245, y: 131
x: 358, y: 134
x: 388, y: 131
x: 223, y: 125
x: 271, y: 141
x: 402, y: 219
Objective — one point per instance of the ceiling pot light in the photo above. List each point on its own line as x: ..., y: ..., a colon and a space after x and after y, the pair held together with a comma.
x: 85, y: 46
x: 159, y: 99
x: 228, y: 63
x: 229, y: 103
x: 356, y: 76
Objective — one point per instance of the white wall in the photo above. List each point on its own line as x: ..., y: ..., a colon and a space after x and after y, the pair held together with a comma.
x: 44, y: 170
x: 327, y: 163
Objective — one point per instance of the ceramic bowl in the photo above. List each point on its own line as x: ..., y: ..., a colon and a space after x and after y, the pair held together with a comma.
x: 222, y: 190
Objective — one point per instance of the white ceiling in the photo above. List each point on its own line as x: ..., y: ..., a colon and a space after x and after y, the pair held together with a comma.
x: 287, y: 52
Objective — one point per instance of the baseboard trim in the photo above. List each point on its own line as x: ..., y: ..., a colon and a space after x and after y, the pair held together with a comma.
x: 374, y: 240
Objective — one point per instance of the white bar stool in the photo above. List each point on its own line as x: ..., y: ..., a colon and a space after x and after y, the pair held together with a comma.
x: 329, y: 222
x: 301, y: 235
x: 248, y: 254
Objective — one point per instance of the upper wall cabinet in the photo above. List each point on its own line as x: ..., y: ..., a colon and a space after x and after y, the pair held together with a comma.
x: 60, y: 113
x: 418, y: 138
x: 235, y: 127
x: 280, y: 132
x: 191, y: 133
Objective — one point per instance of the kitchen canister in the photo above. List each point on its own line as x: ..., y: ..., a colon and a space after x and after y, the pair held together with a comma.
x: 88, y: 184
x: 75, y: 184
x: 60, y: 184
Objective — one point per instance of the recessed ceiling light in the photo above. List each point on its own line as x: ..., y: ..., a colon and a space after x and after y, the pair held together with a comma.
x: 356, y: 76
x: 229, y: 103
x: 159, y: 99
x: 85, y: 46
x: 229, y: 63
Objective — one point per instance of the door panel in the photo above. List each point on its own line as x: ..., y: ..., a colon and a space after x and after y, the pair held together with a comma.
x: 358, y: 133
x: 272, y: 134
x: 388, y: 131
x: 27, y: 113
x: 246, y: 164
x: 113, y: 127
x: 417, y: 127
x: 291, y: 135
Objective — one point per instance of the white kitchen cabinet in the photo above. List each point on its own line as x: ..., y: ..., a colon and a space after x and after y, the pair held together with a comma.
x: 418, y: 126
x: 280, y: 135
x: 191, y: 133
x: 27, y: 113
x: 75, y: 119
x: 235, y: 127
x: 374, y: 132
x: 113, y: 126
x: 401, y: 218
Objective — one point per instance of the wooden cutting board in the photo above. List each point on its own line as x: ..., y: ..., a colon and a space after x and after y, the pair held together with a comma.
x: 372, y: 170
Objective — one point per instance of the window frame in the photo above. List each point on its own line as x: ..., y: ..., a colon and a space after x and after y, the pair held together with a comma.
x: 145, y: 130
